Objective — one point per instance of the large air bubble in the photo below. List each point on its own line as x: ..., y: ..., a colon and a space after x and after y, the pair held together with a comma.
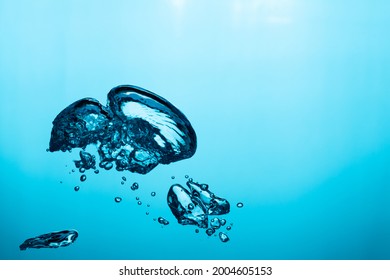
x: 136, y: 131
x: 51, y: 240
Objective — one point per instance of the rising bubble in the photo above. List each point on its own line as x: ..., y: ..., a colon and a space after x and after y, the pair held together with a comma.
x: 83, y: 178
x: 162, y: 221
x: 51, y: 240
x: 76, y: 188
x: 136, y: 131
x: 223, y: 237
x: 240, y: 205
x: 118, y: 199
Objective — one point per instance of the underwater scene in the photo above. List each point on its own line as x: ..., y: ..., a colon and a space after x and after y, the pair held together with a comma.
x: 195, y: 130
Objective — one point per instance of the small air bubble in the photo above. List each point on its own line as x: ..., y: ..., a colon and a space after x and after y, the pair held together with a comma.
x: 137, y: 198
x: 153, y: 194
x: 186, y: 176
x: 240, y: 205
x: 162, y: 221
x: 118, y: 199
x: 228, y: 228
x: 223, y: 237
x: 197, y: 230
x: 83, y: 178
x: 96, y: 171
x: 139, y: 202
x: 134, y: 186
x: 210, y: 231
x: 82, y: 169
x: 173, y: 177
x: 147, y: 213
x: 122, y: 183
x: 124, y: 178
x: 76, y: 189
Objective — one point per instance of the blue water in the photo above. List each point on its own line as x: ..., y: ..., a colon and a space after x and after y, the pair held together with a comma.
x: 289, y: 99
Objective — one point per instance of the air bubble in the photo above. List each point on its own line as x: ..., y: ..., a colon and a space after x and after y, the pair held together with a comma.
x: 153, y: 194
x: 134, y: 186
x: 76, y: 188
x: 223, y: 237
x: 83, y: 178
x: 139, y: 202
x: 210, y: 231
x: 240, y: 205
x: 124, y: 178
x: 163, y: 221
x: 215, y: 223
x: 136, y: 131
x: 118, y: 199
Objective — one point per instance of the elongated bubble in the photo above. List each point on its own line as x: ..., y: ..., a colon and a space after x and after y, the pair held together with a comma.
x: 136, y: 131
x: 51, y: 240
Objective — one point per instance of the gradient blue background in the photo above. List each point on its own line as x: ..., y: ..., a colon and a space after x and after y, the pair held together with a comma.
x: 290, y: 100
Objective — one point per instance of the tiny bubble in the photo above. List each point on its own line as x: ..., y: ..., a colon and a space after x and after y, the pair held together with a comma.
x: 197, y: 230
x: 240, y: 205
x: 72, y: 170
x: 96, y: 171
x: 77, y: 188
x: 153, y: 194
x: 139, y: 202
x: 118, y: 199
x: 148, y: 205
x: 228, y: 228
x: 173, y: 177
x: 190, y: 180
x: 122, y: 183
x: 147, y: 213
x: 124, y: 178
x: 186, y: 176
x: 137, y: 198
x: 82, y: 169
x: 83, y: 178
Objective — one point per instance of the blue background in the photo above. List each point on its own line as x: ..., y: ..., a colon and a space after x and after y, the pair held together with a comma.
x: 290, y: 101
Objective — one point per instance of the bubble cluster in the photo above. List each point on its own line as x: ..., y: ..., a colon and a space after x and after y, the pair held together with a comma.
x: 51, y: 240
x: 134, y: 186
x: 193, y: 206
x: 136, y: 131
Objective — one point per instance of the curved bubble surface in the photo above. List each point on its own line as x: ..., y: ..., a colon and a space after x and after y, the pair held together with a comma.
x: 136, y: 131
x: 51, y: 240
